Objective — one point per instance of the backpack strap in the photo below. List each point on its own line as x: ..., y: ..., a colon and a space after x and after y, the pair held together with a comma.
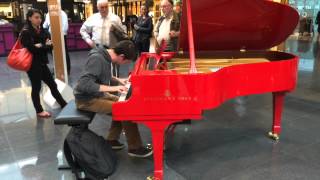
x: 24, y: 29
x: 72, y: 163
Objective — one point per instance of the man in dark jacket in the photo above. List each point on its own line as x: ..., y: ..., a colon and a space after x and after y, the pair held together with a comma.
x: 318, y: 21
x: 167, y: 29
x: 93, y: 93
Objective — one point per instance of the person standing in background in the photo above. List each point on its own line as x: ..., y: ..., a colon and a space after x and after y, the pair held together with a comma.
x: 130, y: 20
x: 143, y: 29
x: 65, y: 27
x: 37, y: 41
x: 100, y: 25
x: 168, y: 27
x: 318, y: 23
x: 178, y: 9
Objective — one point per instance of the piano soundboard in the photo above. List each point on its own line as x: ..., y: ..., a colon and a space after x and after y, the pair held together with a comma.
x: 182, y: 66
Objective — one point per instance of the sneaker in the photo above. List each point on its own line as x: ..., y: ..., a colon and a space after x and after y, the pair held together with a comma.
x: 141, y: 152
x: 116, y: 145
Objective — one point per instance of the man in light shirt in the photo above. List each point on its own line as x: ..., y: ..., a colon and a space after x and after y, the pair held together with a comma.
x: 168, y: 26
x: 65, y: 27
x: 103, y: 26
x: 100, y: 25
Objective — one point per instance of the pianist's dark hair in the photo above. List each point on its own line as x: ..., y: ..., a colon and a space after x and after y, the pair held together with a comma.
x: 126, y: 48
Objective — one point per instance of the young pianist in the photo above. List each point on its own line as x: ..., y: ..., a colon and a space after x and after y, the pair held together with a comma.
x: 93, y: 93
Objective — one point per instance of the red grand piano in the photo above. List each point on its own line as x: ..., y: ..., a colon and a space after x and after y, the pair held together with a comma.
x: 224, y: 54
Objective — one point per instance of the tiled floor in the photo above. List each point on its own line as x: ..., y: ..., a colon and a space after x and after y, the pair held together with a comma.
x: 230, y: 143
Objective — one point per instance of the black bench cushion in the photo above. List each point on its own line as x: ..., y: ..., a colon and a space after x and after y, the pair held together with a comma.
x: 72, y: 116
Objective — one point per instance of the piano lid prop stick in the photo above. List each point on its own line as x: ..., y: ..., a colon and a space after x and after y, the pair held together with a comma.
x: 193, y: 68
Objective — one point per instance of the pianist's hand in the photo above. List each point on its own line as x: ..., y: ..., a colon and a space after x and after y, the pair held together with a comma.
x: 120, y: 89
x: 123, y: 81
x: 174, y: 34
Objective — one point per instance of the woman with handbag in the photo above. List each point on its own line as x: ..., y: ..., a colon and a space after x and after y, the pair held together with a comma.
x: 37, y: 41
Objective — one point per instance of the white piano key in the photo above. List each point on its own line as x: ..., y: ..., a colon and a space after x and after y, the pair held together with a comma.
x: 215, y: 69
x: 124, y: 94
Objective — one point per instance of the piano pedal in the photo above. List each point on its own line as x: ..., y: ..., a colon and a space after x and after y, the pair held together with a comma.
x: 152, y: 178
x: 187, y: 121
x: 273, y: 136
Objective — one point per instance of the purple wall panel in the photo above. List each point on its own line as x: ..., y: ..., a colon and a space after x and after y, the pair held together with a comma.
x: 6, y: 39
x: 2, y: 50
x: 74, y: 40
x: 9, y: 40
x: 81, y: 44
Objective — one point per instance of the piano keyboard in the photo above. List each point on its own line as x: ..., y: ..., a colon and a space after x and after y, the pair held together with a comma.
x: 123, y: 95
x: 215, y: 69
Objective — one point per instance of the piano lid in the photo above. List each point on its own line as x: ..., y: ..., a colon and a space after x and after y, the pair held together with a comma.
x: 237, y: 24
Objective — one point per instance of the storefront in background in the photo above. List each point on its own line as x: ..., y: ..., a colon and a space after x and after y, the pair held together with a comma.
x: 308, y: 10
x: 14, y: 12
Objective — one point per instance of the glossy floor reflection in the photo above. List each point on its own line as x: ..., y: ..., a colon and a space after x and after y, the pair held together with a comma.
x: 229, y: 143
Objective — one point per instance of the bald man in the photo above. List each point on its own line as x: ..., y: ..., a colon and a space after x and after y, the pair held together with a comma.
x: 100, y: 25
x: 168, y: 26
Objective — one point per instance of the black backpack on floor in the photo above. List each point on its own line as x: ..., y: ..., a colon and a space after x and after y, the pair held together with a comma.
x: 87, y: 152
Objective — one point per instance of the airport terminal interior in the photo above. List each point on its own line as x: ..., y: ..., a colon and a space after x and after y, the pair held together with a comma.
x: 229, y: 142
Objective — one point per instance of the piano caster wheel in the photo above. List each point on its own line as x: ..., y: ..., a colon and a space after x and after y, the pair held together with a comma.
x: 149, y: 146
x: 150, y: 178
x: 274, y: 136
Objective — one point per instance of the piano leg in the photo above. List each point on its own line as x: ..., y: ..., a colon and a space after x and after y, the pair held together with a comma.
x: 158, y: 130
x: 278, y: 98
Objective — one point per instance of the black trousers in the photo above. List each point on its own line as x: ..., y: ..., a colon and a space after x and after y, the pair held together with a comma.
x: 38, y: 74
x: 143, y: 46
x: 67, y: 55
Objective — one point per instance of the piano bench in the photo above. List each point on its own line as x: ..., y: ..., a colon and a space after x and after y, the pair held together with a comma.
x: 71, y: 116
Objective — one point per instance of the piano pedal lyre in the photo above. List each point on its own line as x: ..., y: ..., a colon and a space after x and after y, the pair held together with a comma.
x: 273, y: 136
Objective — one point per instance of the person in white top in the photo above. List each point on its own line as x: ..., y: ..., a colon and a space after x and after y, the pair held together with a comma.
x: 65, y: 24
x: 99, y: 25
x: 65, y: 27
